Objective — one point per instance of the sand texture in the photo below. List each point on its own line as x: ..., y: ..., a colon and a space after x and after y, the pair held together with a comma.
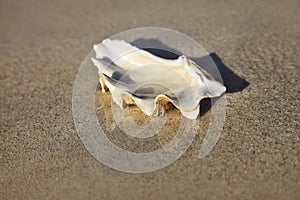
x: 256, y: 43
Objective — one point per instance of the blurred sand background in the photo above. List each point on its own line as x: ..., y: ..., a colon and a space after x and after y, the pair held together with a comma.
x: 42, y: 46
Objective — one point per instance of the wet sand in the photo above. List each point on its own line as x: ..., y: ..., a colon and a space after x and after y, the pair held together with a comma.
x: 256, y: 43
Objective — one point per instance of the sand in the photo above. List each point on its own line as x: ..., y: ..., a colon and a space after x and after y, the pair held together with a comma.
x: 42, y: 46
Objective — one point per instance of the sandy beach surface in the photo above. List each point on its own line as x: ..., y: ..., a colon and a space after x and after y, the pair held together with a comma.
x: 42, y: 46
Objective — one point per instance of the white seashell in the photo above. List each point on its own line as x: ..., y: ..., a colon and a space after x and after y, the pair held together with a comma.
x: 135, y: 76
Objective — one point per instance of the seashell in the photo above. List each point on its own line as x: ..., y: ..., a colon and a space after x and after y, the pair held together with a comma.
x: 135, y: 76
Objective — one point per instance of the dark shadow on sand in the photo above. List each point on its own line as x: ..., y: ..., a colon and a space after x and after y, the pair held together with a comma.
x: 232, y: 81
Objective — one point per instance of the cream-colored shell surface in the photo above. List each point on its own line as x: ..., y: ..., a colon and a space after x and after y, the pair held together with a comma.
x: 135, y: 76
